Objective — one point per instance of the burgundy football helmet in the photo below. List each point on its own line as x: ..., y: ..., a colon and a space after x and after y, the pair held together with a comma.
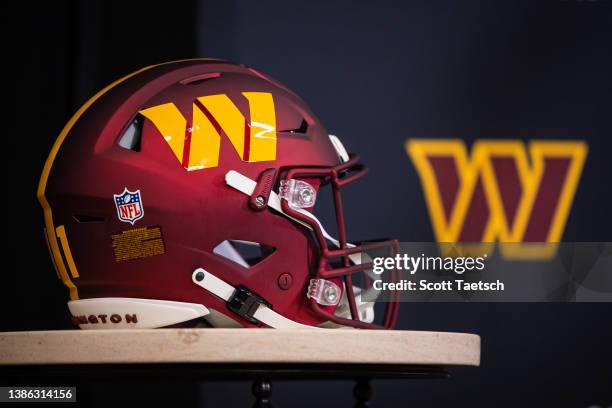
x: 186, y: 191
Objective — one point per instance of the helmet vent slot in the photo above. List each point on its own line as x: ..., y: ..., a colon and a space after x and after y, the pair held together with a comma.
x: 302, y: 130
x: 82, y: 218
x: 244, y: 253
x: 132, y: 136
x: 198, y: 79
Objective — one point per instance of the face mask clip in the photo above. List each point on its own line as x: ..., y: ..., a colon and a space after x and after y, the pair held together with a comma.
x: 298, y: 193
x: 324, y: 292
x: 261, y: 193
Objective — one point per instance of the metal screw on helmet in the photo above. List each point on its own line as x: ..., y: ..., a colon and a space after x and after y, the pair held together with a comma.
x: 259, y: 201
x: 199, y: 276
x: 285, y: 280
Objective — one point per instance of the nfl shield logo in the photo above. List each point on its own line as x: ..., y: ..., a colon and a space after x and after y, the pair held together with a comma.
x: 129, y: 206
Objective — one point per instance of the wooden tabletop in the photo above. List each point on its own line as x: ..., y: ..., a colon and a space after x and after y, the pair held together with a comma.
x: 238, y: 346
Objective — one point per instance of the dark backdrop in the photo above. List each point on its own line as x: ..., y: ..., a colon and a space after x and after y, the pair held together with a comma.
x: 376, y: 73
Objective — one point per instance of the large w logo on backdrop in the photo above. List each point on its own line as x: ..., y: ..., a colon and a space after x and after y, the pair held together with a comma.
x: 505, y: 191
x: 196, y: 142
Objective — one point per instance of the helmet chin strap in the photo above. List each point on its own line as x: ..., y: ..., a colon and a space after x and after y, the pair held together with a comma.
x: 257, y: 310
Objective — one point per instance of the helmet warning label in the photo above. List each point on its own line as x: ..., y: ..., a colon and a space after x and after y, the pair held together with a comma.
x: 138, y: 243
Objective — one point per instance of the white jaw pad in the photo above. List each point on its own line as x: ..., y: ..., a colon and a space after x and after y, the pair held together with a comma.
x: 132, y: 313
x: 225, y: 291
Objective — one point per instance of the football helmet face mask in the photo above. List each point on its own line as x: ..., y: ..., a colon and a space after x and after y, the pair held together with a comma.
x: 159, y: 182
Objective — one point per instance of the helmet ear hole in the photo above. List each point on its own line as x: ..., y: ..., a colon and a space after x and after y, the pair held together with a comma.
x: 244, y: 253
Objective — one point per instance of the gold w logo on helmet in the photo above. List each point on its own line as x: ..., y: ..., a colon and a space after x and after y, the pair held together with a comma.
x: 504, y: 191
x: 196, y: 143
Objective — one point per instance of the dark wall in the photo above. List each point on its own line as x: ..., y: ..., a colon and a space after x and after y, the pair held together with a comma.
x: 380, y: 72
x: 376, y: 73
x: 65, y: 52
